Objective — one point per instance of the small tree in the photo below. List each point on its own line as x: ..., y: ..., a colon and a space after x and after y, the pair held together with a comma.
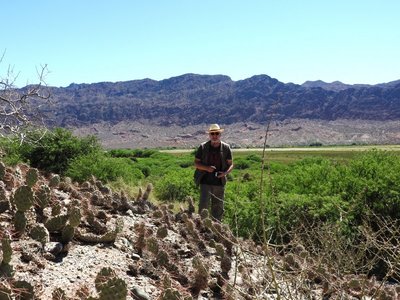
x: 19, y: 108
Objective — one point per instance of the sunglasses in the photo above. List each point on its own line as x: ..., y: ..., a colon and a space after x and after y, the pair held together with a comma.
x: 214, y: 133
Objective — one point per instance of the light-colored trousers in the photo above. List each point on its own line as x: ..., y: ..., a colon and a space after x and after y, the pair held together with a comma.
x: 215, y: 193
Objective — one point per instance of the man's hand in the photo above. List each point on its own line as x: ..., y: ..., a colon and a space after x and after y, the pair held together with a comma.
x: 211, y: 169
x: 221, y: 174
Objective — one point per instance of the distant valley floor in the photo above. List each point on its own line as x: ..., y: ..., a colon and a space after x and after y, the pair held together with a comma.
x: 296, y: 132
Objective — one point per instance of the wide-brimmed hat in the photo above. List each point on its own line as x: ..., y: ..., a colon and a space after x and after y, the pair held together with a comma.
x: 215, y: 128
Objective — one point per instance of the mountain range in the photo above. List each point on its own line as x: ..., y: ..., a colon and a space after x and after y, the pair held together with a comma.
x: 192, y: 99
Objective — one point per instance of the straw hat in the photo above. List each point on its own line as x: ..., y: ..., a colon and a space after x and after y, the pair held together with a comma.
x: 215, y: 128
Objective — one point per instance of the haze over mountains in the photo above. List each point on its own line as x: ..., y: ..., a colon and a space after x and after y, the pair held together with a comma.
x: 191, y: 100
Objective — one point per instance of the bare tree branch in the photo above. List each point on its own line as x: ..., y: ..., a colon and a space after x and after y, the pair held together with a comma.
x: 20, y: 108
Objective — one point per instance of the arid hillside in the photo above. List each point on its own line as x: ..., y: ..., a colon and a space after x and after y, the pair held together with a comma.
x: 297, y: 132
x: 192, y: 99
x: 62, y: 240
x: 175, y: 112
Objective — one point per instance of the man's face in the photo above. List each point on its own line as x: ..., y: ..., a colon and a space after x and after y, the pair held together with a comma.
x: 214, y: 136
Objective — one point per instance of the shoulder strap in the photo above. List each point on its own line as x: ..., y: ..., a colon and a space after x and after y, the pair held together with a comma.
x: 205, y: 148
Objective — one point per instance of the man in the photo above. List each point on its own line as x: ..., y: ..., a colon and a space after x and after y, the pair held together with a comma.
x: 214, y: 158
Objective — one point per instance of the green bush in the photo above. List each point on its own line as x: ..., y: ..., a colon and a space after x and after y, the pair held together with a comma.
x: 56, y: 149
x: 104, y: 168
x: 242, y: 164
x: 254, y: 158
x: 316, y: 189
x: 10, y: 151
x: 242, y: 208
x: 175, y: 185
x: 372, y: 183
x: 311, y: 176
x: 131, y: 153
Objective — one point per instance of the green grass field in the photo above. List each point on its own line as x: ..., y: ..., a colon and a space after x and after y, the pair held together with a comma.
x: 289, y: 155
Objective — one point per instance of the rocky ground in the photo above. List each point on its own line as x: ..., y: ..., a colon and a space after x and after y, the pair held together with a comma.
x: 247, y: 135
x: 72, y: 232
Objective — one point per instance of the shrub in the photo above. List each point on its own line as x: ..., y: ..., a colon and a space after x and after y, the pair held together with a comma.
x: 131, y: 153
x: 57, y: 149
x: 104, y: 168
x: 242, y: 164
x: 10, y: 151
x: 175, y: 185
x: 372, y: 184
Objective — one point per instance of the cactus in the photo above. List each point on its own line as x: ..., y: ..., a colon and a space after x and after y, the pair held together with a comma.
x: 204, y: 214
x: 9, y: 181
x: 42, y: 196
x: 86, y: 186
x: 23, y: 198
x: 67, y: 233
x: 4, y: 203
x: 2, y: 170
x: 108, y: 237
x: 200, y: 280
x: 190, y: 226
x: 99, y: 184
x: 109, y: 286
x: 162, y: 258
x: 6, y: 248
x: 208, y: 223
x: 162, y: 232
x: 65, y: 186
x: 212, y: 243
x: 54, y: 180
x: 32, y: 177
x: 56, y: 223
x: 167, y: 281
x: 55, y: 208
x: 152, y: 245
x: 5, y: 268
x: 170, y: 294
x: 220, y: 251
x: 40, y: 233
x: 139, y: 195
x: 147, y: 192
x: 3, y: 193
x: 24, y: 290
x: 74, y: 216
x: 20, y: 221
x: 119, y: 225
x: 157, y: 214
x: 191, y: 208
x: 140, y: 241
x: 291, y: 262
x: 226, y: 264
x: 97, y: 198
x: 5, y: 291
x: 68, y: 180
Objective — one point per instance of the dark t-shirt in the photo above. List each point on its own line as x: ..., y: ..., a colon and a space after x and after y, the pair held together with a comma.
x: 213, y: 159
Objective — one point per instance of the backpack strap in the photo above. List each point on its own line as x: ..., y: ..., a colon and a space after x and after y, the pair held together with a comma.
x: 205, y: 148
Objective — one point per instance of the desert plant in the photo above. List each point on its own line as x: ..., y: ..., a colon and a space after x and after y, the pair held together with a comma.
x: 110, y: 286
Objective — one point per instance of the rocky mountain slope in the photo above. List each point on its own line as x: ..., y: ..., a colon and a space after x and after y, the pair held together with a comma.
x: 62, y: 240
x: 192, y: 99
x: 288, y: 133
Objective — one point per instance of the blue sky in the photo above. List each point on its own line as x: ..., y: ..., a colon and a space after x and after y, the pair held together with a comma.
x: 86, y: 41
